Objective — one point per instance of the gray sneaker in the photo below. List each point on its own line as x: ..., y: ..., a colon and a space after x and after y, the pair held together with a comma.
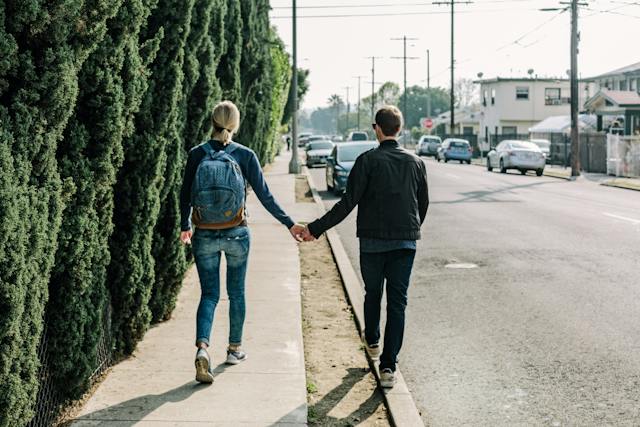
x: 204, y: 374
x: 387, y: 378
x: 373, y: 350
x: 236, y: 356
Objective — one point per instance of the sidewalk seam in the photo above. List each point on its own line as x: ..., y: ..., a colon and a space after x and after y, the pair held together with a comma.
x: 400, y: 404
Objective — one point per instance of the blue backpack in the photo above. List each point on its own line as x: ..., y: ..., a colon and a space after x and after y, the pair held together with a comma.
x: 219, y: 190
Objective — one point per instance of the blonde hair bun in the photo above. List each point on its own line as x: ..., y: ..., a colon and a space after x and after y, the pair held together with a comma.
x: 226, y: 121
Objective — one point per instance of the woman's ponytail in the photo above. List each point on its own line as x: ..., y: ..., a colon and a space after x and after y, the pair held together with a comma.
x: 226, y: 121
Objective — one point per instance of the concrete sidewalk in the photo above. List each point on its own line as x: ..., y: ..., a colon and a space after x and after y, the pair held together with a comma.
x: 156, y: 386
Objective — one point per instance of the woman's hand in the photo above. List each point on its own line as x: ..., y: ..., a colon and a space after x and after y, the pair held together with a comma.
x: 185, y: 237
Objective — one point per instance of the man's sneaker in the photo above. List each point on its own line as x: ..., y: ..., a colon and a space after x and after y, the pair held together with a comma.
x: 235, y: 356
x: 203, y: 367
x: 387, y: 378
x: 373, y: 350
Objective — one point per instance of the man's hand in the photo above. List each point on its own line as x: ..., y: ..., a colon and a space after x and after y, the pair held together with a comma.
x: 185, y: 237
x: 296, y: 231
x: 307, y: 236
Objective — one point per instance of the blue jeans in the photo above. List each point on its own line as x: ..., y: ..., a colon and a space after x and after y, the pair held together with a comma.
x: 208, y: 246
x: 395, y: 267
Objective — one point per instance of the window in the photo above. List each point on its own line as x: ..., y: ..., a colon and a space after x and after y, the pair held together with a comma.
x: 493, y: 97
x: 622, y: 85
x: 484, y: 98
x: 632, y: 85
x: 522, y: 93
x: 553, y: 96
x: 467, y: 130
x: 509, y: 130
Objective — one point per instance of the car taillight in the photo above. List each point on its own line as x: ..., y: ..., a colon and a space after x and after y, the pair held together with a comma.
x: 470, y: 150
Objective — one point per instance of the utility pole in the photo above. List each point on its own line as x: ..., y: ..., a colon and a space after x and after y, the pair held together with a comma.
x: 359, y: 98
x: 452, y: 103
x: 294, y: 164
x: 573, y: 5
x: 348, y: 107
x: 428, y: 84
x: 373, y: 85
x: 404, y: 95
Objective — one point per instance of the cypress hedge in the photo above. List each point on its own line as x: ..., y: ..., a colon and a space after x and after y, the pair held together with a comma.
x: 131, y: 273
x: 99, y: 101
x: 42, y: 45
x: 111, y: 87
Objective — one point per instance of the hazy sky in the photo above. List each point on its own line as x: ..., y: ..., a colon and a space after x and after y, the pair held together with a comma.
x: 497, y: 37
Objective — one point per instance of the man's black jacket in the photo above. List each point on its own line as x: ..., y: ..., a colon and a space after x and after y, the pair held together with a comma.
x: 389, y: 185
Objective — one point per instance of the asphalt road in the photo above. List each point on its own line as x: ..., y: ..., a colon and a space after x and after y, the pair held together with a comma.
x: 545, y: 331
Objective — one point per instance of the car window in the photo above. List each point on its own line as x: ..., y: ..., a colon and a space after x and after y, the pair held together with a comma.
x: 523, y: 145
x: 349, y: 153
x: 459, y: 144
x: 359, y: 136
x: 321, y: 145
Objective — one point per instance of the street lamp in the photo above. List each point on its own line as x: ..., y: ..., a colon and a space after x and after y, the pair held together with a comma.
x: 294, y: 164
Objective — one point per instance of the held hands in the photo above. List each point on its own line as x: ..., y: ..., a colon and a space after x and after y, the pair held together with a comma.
x: 301, y: 233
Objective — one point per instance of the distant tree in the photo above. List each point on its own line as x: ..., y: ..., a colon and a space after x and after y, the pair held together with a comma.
x: 466, y: 93
x: 418, y: 99
x: 303, y: 88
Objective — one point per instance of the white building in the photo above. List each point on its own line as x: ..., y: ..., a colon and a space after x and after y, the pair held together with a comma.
x: 510, y: 106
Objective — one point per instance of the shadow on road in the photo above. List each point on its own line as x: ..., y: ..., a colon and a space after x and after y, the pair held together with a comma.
x: 489, y: 196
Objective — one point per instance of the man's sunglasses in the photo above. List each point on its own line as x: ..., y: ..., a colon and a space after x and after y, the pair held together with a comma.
x: 373, y: 125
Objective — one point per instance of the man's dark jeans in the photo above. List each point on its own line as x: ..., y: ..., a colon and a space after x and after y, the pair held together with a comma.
x: 395, y: 267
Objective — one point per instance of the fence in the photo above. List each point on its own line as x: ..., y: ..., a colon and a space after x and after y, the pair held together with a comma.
x: 623, y: 156
x: 49, y: 402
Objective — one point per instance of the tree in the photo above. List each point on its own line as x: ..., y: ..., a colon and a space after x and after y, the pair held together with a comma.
x: 141, y: 181
x: 303, y: 88
x: 90, y: 154
x: 418, y: 99
x: 466, y: 92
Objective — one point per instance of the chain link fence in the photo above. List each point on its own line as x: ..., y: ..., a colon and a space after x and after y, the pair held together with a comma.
x: 623, y: 156
x: 50, y: 403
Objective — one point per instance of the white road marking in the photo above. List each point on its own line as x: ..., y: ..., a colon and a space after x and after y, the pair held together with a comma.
x: 450, y: 175
x: 624, y: 218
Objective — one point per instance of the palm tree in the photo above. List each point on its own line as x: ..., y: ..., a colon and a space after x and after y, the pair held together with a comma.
x: 335, y: 101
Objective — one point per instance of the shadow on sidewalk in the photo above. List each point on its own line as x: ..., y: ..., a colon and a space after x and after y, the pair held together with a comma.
x: 132, y: 411
x: 319, y: 412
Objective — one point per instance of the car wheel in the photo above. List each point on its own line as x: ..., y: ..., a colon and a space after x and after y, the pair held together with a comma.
x: 468, y: 162
x: 539, y: 172
x: 502, y: 168
x: 446, y: 160
x: 489, y: 167
x: 329, y: 186
x: 523, y: 171
x: 438, y: 159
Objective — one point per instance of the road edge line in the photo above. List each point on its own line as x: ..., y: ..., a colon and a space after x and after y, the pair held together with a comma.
x: 400, y: 404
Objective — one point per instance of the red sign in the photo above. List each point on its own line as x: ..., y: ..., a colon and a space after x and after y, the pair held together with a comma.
x: 427, y: 123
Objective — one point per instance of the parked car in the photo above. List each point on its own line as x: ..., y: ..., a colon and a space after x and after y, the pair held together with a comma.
x: 545, y: 147
x: 337, y: 138
x: 455, y: 149
x: 358, y: 136
x: 428, y: 145
x: 521, y: 155
x: 341, y: 161
x: 304, y: 141
x: 318, y: 151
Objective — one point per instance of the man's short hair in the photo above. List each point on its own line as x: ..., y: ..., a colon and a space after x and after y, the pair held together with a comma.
x: 389, y: 119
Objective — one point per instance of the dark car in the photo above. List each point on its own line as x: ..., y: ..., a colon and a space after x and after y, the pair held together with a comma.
x: 341, y: 161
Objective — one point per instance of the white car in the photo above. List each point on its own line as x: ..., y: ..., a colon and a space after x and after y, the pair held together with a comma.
x: 521, y: 155
x: 318, y: 151
x: 428, y: 145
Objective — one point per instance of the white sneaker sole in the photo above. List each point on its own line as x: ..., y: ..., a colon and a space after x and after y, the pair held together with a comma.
x: 202, y: 371
x: 231, y: 360
x: 387, y: 383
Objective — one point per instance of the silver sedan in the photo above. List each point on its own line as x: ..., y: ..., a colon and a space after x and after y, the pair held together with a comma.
x: 521, y: 155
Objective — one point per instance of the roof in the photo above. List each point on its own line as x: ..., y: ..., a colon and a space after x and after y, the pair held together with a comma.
x: 558, y: 124
x: 621, y: 98
x: 519, y: 79
x: 628, y: 69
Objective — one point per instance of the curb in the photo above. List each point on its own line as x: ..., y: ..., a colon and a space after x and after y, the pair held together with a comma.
x: 546, y: 173
x: 621, y: 185
x: 400, y: 404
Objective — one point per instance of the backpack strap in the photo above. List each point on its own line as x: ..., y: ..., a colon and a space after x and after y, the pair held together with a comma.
x: 231, y: 147
x: 208, y: 149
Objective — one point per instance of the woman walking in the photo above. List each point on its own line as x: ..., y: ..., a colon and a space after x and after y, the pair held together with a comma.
x: 213, y: 197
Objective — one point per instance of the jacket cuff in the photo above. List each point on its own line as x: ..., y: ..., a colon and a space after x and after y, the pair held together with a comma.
x: 315, y: 229
x: 288, y: 222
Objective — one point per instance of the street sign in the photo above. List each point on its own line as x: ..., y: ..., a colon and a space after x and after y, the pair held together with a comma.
x: 427, y: 123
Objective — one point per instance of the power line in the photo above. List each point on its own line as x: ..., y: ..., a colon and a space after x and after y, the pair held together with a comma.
x: 372, y: 15
x: 360, y: 6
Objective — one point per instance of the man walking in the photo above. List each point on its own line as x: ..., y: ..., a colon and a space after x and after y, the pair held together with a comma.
x: 389, y: 186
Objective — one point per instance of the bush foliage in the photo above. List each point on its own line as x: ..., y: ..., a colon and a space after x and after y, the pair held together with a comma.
x: 99, y: 102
